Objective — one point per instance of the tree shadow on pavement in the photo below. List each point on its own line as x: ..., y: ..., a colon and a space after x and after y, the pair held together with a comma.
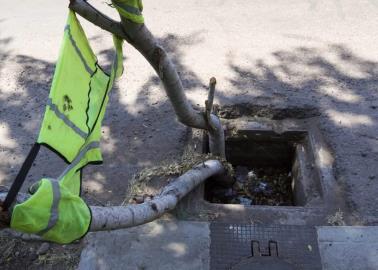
x: 130, y: 142
x: 333, y: 84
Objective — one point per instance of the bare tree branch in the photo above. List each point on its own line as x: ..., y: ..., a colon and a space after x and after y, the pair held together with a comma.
x: 141, y: 38
x: 91, y: 14
x: 117, y: 217
x: 111, y: 218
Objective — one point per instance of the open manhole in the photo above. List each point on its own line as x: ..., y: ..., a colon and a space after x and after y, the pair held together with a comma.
x: 266, y: 169
x: 284, y: 175
x: 270, y: 169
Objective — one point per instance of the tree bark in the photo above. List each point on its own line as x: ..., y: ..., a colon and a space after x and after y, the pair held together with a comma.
x: 141, y: 39
x: 111, y: 218
x: 118, y: 217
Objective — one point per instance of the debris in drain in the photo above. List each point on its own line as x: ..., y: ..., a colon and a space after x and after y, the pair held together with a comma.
x: 255, y: 186
x: 241, y: 174
x: 243, y: 200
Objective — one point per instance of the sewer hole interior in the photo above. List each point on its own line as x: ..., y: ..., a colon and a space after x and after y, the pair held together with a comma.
x: 263, y: 166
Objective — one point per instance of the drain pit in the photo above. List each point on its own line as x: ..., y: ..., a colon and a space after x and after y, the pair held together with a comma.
x: 286, y: 168
x: 266, y: 169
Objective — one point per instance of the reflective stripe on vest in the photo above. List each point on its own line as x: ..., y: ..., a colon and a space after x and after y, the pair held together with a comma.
x: 73, y: 42
x: 72, y: 127
x: 67, y: 121
x: 54, y: 212
x: 130, y: 9
x: 78, y: 95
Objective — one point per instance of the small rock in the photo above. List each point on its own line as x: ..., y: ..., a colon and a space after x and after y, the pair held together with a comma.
x: 43, y: 249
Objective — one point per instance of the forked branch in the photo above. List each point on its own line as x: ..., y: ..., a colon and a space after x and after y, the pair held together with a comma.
x: 141, y: 39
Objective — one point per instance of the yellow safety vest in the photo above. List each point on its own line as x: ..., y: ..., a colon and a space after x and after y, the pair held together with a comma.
x: 71, y: 127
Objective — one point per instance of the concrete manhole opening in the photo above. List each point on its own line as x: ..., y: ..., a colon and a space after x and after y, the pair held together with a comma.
x: 271, y: 168
x: 290, y: 171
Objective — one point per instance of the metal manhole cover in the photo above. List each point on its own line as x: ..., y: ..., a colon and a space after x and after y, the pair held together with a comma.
x: 232, y: 246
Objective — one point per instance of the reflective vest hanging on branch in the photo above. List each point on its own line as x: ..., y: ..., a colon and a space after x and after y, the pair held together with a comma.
x: 130, y: 9
x: 71, y: 127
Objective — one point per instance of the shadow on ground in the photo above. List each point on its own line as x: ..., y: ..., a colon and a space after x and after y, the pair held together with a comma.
x: 333, y: 84
x: 130, y: 142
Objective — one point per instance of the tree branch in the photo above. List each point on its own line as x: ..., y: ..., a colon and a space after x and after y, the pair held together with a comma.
x: 117, y: 217
x: 141, y: 39
x: 91, y: 14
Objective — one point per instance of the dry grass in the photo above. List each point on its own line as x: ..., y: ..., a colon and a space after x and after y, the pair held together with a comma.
x: 69, y: 260
x: 189, y: 159
x: 336, y: 219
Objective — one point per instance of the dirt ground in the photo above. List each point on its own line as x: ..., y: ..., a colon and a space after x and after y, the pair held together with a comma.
x: 16, y: 253
x: 274, y: 59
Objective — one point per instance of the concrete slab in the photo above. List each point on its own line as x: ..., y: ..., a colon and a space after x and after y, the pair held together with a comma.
x: 186, y: 245
x: 348, y: 247
x: 156, y: 245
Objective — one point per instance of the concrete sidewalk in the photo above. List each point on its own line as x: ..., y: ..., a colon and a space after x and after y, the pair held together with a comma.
x: 167, y: 245
x: 351, y: 248
x: 164, y: 245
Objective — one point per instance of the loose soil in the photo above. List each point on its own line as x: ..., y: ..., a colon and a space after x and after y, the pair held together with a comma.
x: 20, y: 254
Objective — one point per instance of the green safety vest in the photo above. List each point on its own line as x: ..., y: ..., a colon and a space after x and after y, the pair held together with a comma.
x: 71, y: 127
